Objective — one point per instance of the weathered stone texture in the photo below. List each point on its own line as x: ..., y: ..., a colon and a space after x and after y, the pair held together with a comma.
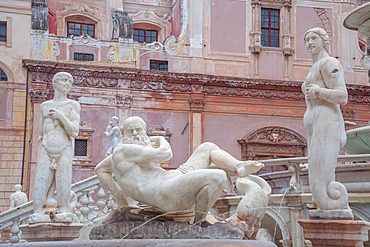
x: 165, y: 230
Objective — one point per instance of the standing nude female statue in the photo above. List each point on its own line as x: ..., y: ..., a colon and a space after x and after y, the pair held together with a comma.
x: 325, y: 90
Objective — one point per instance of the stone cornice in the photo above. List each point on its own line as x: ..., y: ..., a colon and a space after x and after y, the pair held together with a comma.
x: 95, y: 76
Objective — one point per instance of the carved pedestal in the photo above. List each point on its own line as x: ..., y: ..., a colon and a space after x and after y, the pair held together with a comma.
x: 325, y: 233
x: 50, y: 232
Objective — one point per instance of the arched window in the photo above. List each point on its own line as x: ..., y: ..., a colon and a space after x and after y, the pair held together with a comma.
x: 3, y: 76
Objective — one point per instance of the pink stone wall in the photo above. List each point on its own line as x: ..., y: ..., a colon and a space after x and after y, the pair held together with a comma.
x: 228, y: 26
x: 176, y: 19
x: 145, y: 59
x: 271, y: 65
x: 104, y: 53
x: 83, y: 49
x: 218, y: 130
x: 175, y: 121
x: 307, y: 18
x: 98, y: 118
x: 63, y: 51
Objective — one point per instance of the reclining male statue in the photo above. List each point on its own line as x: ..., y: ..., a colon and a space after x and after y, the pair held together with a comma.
x: 139, y: 178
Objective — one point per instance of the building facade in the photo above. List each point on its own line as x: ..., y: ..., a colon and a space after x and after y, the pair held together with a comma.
x: 224, y: 71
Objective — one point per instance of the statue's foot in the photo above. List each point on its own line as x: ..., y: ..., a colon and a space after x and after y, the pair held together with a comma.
x: 38, y: 217
x: 245, y: 168
x: 65, y: 218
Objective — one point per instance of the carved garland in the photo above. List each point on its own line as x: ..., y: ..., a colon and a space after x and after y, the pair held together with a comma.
x: 108, y: 77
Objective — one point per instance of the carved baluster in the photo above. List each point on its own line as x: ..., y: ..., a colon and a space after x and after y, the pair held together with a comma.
x: 295, y: 182
x: 78, y: 210
x: 111, y: 203
x: 85, y: 210
x: 15, y: 231
x: 91, y: 201
x: 101, y: 203
x: 1, y: 233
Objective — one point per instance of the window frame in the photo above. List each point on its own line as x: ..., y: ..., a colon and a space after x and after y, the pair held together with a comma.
x: 2, y: 72
x: 84, y: 55
x: 269, y: 28
x: 4, y: 23
x: 85, y: 150
x: 145, y: 30
x: 159, y: 63
x: 81, y: 23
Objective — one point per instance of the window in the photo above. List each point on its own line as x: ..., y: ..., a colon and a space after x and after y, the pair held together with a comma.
x: 83, y: 57
x: 158, y: 65
x: 270, y: 27
x: 3, y: 76
x: 3, y: 31
x: 147, y: 36
x: 75, y: 28
x: 80, y: 147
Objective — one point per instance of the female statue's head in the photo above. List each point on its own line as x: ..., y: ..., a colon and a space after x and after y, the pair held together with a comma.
x: 317, y: 31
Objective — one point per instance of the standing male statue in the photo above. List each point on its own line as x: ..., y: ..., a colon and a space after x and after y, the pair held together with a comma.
x: 139, y: 178
x: 59, y: 122
x: 113, y: 131
x: 325, y: 90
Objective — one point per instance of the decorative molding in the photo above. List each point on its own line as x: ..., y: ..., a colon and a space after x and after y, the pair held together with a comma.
x: 107, y: 77
x: 124, y: 100
x: 38, y: 94
x: 159, y: 130
x: 173, y: 45
x: 84, y: 39
x: 56, y: 50
x: 321, y: 13
x: 146, y: 14
x: 151, y: 2
x: 197, y: 104
x: 85, y: 133
x: 272, y: 141
x: 348, y: 114
x: 111, y: 53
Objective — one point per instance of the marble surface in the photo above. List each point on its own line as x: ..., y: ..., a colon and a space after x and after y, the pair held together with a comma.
x: 139, y: 178
x: 59, y: 123
x: 324, y: 90
x: 113, y: 131
x: 325, y: 233
x: 18, y: 198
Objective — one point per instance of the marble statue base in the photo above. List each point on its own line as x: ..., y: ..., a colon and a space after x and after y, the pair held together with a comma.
x: 154, y: 242
x: 326, y: 233
x: 41, y: 232
x: 331, y: 214
x: 165, y: 230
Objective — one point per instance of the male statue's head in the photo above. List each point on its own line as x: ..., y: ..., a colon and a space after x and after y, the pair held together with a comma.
x: 18, y: 187
x: 62, y: 82
x: 315, y: 39
x: 134, y: 131
x: 114, y: 121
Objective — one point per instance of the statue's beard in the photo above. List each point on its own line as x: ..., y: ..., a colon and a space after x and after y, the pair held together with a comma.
x: 139, y: 139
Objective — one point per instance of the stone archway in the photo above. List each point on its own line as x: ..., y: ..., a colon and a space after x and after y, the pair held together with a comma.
x: 272, y: 142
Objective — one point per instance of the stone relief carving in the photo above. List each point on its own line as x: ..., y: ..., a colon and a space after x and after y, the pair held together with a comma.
x: 56, y: 50
x: 172, y: 44
x: 111, y: 53
x: 164, y: 16
x: 152, y: 2
x: 78, y: 8
x: 321, y: 13
x: 38, y: 94
x: 124, y: 100
x: 197, y: 104
x: 43, y: 71
x: 122, y: 24
x: 84, y: 38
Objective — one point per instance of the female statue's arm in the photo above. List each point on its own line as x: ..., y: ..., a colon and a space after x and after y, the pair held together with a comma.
x: 335, y: 91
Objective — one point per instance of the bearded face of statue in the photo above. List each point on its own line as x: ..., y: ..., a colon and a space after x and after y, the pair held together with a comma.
x: 134, y: 132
